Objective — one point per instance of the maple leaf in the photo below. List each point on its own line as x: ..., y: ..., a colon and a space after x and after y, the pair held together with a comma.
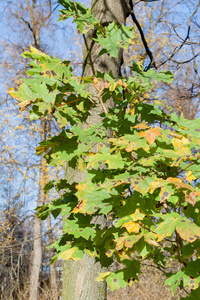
x: 189, y: 176
x: 141, y: 126
x: 131, y: 227
x: 182, y: 145
x: 72, y: 253
x: 178, y: 183
x: 188, y: 230
x: 150, y: 135
x: 191, y: 198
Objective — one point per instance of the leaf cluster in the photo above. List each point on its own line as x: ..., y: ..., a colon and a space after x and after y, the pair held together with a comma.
x: 143, y: 181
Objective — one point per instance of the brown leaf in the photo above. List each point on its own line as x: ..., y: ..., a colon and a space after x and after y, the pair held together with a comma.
x: 23, y: 105
x: 79, y: 206
x: 100, y: 85
x: 191, y: 198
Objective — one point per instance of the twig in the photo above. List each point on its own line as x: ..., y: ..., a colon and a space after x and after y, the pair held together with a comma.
x: 27, y: 241
x: 148, y: 51
x: 177, y: 49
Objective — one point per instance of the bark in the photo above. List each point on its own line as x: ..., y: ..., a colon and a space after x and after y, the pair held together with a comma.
x: 79, y: 277
x: 53, y: 279
x: 52, y: 267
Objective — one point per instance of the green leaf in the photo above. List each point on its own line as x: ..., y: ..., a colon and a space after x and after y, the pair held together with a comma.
x: 72, y: 253
x: 146, y: 77
x: 83, y: 19
x: 175, y: 280
x: 168, y: 226
x: 115, y: 37
x: 86, y: 192
x: 187, y: 230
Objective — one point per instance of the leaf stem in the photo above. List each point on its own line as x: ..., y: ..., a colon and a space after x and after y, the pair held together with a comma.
x: 198, y: 157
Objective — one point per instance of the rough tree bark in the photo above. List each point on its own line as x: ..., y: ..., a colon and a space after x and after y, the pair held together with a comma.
x: 53, y: 280
x: 79, y: 277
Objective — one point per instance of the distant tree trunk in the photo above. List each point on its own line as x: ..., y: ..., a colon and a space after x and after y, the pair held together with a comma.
x: 35, y: 28
x: 37, y: 241
x: 53, y: 280
x: 52, y: 267
x: 79, y: 277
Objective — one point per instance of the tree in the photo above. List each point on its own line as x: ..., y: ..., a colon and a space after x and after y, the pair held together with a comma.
x: 144, y: 175
x: 30, y: 18
x: 14, y: 256
x: 78, y: 277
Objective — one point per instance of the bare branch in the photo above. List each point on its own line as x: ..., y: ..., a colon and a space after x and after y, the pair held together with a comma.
x: 148, y: 51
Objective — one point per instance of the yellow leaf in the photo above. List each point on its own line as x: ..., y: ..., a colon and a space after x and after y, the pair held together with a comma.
x: 66, y: 255
x: 153, y: 186
x: 137, y: 215
x: 102, y: 276
x: 141, y: 126
x: 189, y: 176
x: 180, y: 144
x: 178, y: 183
x: 131, y: 227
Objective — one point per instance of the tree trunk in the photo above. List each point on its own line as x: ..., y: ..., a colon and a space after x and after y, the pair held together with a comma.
x: 52, y: 267
x: 37, y: 241
x: 79, y: 277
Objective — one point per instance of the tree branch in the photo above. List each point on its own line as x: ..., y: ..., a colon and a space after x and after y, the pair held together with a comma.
x: 31, y: 240
x: 148, y: 51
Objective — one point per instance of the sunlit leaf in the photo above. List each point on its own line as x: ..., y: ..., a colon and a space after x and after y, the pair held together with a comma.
x: 150, y: 135
x: 187, y: 230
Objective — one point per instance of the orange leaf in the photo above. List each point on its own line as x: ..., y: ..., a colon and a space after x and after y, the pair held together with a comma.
x: 141, y: 126
x: 150, y: 135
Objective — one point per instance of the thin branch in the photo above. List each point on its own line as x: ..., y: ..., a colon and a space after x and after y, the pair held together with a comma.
x: 177, y: 49
x: 148, y: 51
x: 31, y: 240
x: 186, y: 61
x: 27, y: 23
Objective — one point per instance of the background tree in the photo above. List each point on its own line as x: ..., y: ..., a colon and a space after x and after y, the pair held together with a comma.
x: 29, y: 21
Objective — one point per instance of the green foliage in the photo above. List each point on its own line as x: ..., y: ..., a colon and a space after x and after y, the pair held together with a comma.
x: 113, y: 37
x: 144, y: 178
